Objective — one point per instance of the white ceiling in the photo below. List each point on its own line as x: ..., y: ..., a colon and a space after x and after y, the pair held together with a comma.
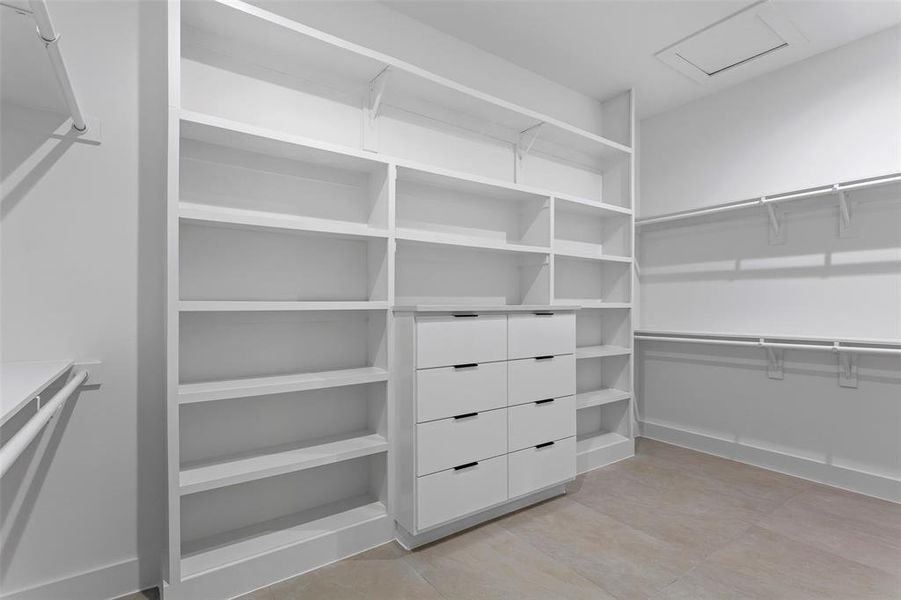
x: 602, y: 47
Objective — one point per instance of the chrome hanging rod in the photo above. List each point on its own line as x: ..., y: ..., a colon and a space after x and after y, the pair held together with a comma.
x: 720, y: 208
x: 764, y: 342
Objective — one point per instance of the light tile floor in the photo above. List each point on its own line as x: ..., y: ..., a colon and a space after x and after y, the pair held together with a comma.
x: 668, y: 524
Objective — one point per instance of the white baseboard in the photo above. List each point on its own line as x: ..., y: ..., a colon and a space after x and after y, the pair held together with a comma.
x: 111, y: 581
x: 870, y: 484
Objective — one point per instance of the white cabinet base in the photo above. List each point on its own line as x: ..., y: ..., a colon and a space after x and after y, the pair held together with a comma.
x: 410, y: 541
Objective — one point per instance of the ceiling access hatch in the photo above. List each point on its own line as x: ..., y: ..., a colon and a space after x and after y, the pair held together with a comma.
x: 750, y: 34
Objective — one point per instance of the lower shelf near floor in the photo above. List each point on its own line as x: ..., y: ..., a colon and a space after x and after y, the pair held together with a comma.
x: 597, y: 449
x: 600, y: 397
x: 247, y: 542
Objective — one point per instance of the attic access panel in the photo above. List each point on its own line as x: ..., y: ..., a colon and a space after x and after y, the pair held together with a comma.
x: 750, y: 34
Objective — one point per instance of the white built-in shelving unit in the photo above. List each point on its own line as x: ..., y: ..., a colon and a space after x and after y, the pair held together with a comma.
x: 303, y: 207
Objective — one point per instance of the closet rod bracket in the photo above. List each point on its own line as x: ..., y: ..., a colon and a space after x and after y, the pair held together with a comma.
x: 844, y: 213
x: 847, y: 367
x: 526, y: 139
x: 373, y: 109
x: 776, y: 229
x: 775, y: 367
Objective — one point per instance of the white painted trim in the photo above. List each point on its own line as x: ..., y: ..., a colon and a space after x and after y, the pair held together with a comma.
x: 111, y: 581
x: 854, y: 480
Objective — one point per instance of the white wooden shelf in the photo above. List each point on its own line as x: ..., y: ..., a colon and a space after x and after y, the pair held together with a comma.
x: 223, y: 549
x: 21, y: 381
x: 589, y: 207
x: 601, y: 351
x: 277, y: 384
x: 592, y: 303
x: 480, y: 308
x: 265, y: 306
x: 278, y: 461
x: 255, y: 219
x: 411, y: 88
x: 600, y: 397
x: 586, y: 444
x: 465, y: 241
x: 585, y: 253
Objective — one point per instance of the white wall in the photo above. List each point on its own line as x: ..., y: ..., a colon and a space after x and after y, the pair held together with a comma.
x: 834, y: 117
x: 82, y: 270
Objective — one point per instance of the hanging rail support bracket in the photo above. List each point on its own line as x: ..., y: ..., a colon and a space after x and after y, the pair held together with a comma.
x: 775, y: 365
x: 847, y: 367
x: 373, y: 110
x: 776, y: 230
x: 844, y: 213
x: 523, y: 146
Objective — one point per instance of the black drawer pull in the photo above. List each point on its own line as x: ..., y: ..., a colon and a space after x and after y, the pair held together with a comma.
x: 467, y: 465
x: 543, y: 314
x: 544, y: 445
x: 548, y: 357
x: 465, y: 316
x: 467, y: 415
x: 466, y: 366
x: 544, y: 401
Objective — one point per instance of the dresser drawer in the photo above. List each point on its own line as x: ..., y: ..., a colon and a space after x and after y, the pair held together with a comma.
x: 452, y: 442
x: 542, y: 421
x: 535, y: 468
x: 532, y: 379
x: 447, y: 391
x: 541, y: 334
x: 449, y: 340
x: 454, y: 493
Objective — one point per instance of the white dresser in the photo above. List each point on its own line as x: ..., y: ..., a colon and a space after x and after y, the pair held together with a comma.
x: 485, y: 413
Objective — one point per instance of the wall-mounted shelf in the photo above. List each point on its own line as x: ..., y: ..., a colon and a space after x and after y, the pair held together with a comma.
x: 585, y: 444
x: 352, y: 68
x: 601, y: 351
x: 600, y: 397
x: 463, y: 241
x: 266, y: 306
x: 273, y: 462
x: 277, y: 384
x: 588, y: 254
x: 25, y: 380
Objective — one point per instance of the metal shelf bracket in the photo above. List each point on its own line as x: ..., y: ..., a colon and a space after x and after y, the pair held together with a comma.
x: 775, y: 368
x: 776, y: 230
x: 847, y: 367
x: 523, y: 146
x: 373, y: 109
x: 844, y: 213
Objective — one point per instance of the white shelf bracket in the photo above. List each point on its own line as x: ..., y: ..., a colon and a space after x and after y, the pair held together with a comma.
x: 522, y: 147
x: 844, y: 213
x: 373, y: 109
x: 775, y: 367
x: 776, y: 229
x: 847, y: 367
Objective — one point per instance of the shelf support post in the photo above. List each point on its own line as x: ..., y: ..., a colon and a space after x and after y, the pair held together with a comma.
x: 522, y: 147
x: 373, y: 109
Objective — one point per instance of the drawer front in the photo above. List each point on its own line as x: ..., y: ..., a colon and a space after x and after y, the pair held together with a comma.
x: 529, y: 379
x: 535, y: 468
x: 448, y: 340
x: 534, y: 334
x: 452, y: 442
x: 449, y: 494
x: 543, y: 421
x: 447, y: 391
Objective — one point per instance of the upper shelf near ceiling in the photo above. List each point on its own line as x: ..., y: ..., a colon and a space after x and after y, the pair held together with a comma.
x: 291, y: 46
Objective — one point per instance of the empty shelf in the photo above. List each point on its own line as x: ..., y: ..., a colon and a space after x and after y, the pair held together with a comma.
x: 589, y: 207
x: 466, y: 241
x: 206, y: 554
x: 585, y: 253
x: 598, y: 441
x: 581, y: 303
x: 255, y: 219
x: 277, y: 384
x: 272, y: 462
x: 600, y: 397
x: 262, y: 305
x: 601, y: 351
x: 21, y: 381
